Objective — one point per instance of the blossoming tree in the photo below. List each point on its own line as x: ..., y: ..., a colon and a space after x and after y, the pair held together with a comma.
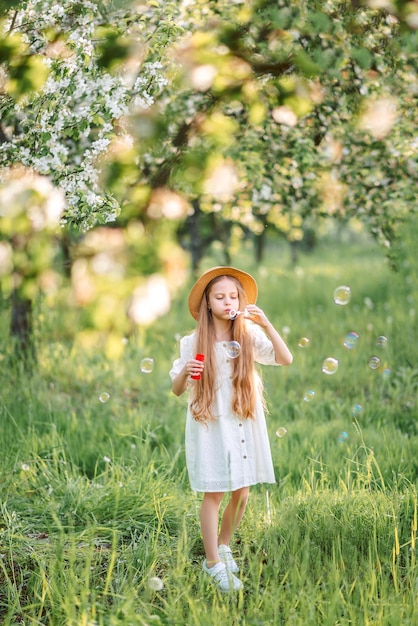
x: 62, y: 110
x: 261, y: 113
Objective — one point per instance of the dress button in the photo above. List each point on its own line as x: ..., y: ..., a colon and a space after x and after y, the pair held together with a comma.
x: 242, y: 440
x: 244, y: 457
x: 239, y: 424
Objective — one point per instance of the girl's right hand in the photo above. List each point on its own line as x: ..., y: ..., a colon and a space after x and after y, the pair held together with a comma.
x: 195, y: 367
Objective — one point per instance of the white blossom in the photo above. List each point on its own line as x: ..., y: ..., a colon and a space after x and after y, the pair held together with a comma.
x: 69, y: 126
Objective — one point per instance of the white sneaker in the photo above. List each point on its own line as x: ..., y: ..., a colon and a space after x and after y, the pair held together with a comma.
x: 224, y: 579
x: 225, y: 554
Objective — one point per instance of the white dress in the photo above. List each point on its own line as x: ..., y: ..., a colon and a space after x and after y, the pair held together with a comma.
x: 230, y: 452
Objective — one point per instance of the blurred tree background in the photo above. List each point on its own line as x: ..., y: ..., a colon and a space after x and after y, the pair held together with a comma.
x: 134, y: 135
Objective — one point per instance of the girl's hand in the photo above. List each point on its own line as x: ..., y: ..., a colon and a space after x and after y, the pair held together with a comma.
x: 281, y: 351
x: 255, y: 314
x: 194, y: 367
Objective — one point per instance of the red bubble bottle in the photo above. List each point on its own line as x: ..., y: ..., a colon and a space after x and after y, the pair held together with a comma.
x: 198, y: 357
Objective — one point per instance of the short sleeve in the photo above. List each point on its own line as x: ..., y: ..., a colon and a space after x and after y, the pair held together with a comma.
x: 262, y: 346
x: 187, y: 352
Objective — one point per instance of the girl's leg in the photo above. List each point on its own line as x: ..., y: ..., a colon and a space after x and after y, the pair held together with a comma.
x: 209, y: 519
x: 233, y: 514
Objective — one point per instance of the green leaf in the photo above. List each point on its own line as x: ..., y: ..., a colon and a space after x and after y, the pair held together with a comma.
x: 113, y: 49
x: 28, y: 75
x: 306, y: 65
x: 320, y: 22
x: 363, y: 57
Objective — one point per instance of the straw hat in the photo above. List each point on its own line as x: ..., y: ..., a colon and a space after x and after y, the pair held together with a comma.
x: 247, y: 281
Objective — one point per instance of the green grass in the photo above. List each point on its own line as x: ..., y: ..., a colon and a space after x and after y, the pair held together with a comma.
x: 95, y: 501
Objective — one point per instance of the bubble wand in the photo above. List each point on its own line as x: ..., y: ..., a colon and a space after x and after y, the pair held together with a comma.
x: 233, y: 314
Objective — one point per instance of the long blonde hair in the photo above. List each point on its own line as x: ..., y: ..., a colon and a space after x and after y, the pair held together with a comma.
x: 243, y: 376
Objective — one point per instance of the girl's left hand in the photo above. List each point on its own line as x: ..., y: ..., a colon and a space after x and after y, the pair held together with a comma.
x: 255, y: 314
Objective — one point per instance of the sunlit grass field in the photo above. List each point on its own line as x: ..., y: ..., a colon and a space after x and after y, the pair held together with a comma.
x: 98, y: 524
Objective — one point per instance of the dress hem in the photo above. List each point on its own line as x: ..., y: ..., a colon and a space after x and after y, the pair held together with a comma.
x: 229, y: 490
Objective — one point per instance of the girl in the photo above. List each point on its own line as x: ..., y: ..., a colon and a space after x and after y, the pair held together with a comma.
x: 227, y: 445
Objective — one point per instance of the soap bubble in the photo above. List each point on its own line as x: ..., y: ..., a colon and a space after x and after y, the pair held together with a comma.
x: 233, y: 349
x: 386, y: 374
x: 330, y: 366
x: 342, y: 295
x: 155, y: 583
x: 374, y: 362
x: 147, y: 365
x: 104, y: 397
x: 350, y: 340
x: 281, y: 432
x: 356, y: 410
x: 309, y: 395
x: 381, y: 341
x: 304, y: 342
x: 342, y: 437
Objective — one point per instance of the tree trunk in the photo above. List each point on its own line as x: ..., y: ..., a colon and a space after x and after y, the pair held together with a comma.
x: 294, y: 251
x: 259, y: 241
x: 21, y: 326
x: 195, y: 238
